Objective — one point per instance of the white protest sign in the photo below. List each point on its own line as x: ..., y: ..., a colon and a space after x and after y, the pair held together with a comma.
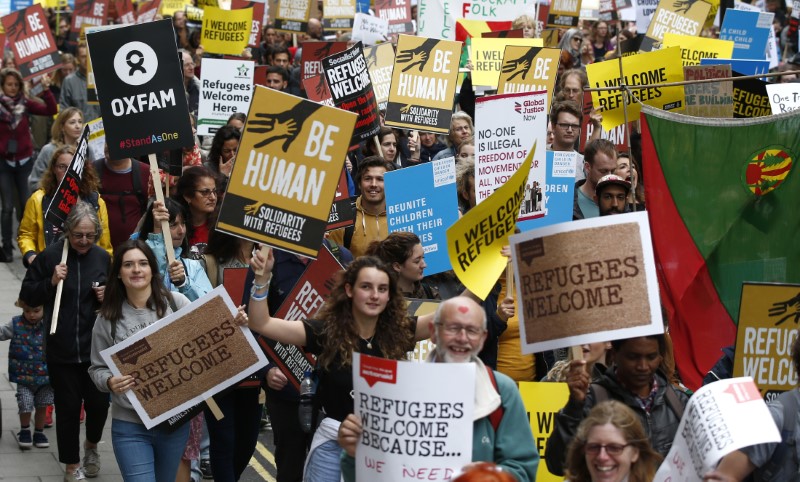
x: 720, y: 417
x: 417, y: 423
x: 370, y: 30
x: 507, y: 126
x: 783, y: 97
x: 437, y: 18
x: 97, y: 139
x: 226, y: 88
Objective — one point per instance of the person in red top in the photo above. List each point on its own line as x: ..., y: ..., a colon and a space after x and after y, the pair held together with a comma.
x: 198, y: 191
x: 16, y: 146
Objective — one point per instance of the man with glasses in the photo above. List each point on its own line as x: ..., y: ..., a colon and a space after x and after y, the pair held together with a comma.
x: 600, y: 160
x: 635, y: 380
x: 190, y: 81
x: 501, y: 430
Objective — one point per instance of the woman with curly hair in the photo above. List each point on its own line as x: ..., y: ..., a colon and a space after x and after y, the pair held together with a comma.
x: 611, y: 445
x: 37, y: 233
x: 403, y: 252
x: 366, y: 313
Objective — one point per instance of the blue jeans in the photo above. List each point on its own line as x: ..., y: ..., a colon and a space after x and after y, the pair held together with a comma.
x: 323, y: 463
x: 11, y: 177
x: 147, y: 455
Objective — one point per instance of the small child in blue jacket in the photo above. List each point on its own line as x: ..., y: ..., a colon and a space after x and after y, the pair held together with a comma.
x: 28, y: 369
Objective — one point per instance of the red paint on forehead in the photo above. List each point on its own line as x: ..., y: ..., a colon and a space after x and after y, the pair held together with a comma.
x: 463, y: 309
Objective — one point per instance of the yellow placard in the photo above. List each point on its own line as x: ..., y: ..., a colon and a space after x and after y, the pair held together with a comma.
x: 380, y: 63
x: 286, y: 171
x: 682, y: 17
x: 226, y: 31
x: 712, y: 14
x: 339, y: 14
x: 474, y: 241
x: 657, y: 67
x: 169, y: 7
x: 564, y: 13
x: 423, y: 84
x: 695, y: 48
x: 767, y: 329
x: 542, y: 401
x: 194, y: 14
x: 486, y: 56
x: 529, y: 69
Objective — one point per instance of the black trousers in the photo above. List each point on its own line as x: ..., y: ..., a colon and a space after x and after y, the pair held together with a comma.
x: 291, y: 443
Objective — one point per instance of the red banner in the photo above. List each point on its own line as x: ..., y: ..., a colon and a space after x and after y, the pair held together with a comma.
x: 31, y: 41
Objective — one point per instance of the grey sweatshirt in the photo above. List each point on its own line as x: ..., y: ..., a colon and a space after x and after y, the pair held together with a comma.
x: 132, y: 321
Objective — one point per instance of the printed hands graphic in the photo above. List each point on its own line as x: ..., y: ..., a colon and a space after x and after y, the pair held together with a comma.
x: 284, y: 125
x: 418, y: 56
x: 789, y: 308
x: 521, y: 65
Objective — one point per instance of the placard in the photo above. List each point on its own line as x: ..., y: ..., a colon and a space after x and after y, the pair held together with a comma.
x: 767, y: 328
x: 212, y: 353
x: 586, y: 281
x: 618, y: 135
x: 286, y: 171
x: 292, y: 16
x: 436, y: 19
x: 88, y: 12
x: 31, y: 41
x: 750, y: 98
x: 338, y: 14
x: 486, y: 55
x: 225, y: 88
x: 542, y: 401
x: 684, y: 18
x: 226, y: 31
x: 317, y: 90
x: 492, y: 10
x: 564, y: 13
x: 713, y: 99
x: 313, y: 53
x: 381, y: 387
x: 695, y: 48
x: 529, y: 69
x: 397, y: 13
x: 423, y: 200
x: 351, y: 89
x: 369, y: 30
x: 97, y: 138
x: 783, y: 97
x: 749, y: 32
x: 343, y: 209
x: 69, y: 189
x: 557, y: 194
x: 140, y: 82
x: 259, y: 7
x: 380, y: 63
x: 423, y: 84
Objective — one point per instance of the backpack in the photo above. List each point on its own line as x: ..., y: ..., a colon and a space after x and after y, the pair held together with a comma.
x: 136, y: 179
x: 783, y: 465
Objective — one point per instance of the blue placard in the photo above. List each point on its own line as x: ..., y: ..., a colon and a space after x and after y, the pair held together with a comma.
x: 749, y: 32
x: 423, y: 200
x: 20, y: 4
x: 742, y: 66
x: 559, y: 191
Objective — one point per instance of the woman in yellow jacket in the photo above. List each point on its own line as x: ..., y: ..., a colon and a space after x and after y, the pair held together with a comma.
x: 35, y: 232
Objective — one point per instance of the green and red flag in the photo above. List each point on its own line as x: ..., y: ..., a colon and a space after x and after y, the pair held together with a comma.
x: 724, y: 202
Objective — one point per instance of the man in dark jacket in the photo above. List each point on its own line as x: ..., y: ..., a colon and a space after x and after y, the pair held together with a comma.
x: 634, y: 381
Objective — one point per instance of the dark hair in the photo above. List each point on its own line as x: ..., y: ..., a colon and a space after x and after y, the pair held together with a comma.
x: 599, y: 146
x: 281, y: 49
x: 186, y: 186
x: 116, y: 293
x: 89, y: 180
x: 372, y: 161
x: 568, y: 106
x: 340, y: 335
x: 237, y: 116
x: 626, y: 421
x: 617, y: 344
x: 223, y: 135
x: 175, y: 209
x: 395, y: 248
x: 796, y: 354
x: 277, y: 69
x: 223, y: 246
x: 370, y: 147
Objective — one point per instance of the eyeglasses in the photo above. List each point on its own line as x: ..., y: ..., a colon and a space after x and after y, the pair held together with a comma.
x: 86, y: 236
x: 567, y: 127
x: 611, y: 449
x: 579, y: 39
x: 454, y: 330
x: 207, y: 192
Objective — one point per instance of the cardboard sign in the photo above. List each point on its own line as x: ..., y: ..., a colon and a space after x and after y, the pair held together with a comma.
x: 508, y: 127
x: 391, y: 396
x: 714, y: 99
x: 750, y: 98
x: 749, y: 32
x: 617, y: 135
x: 317, y: 90
x: 644, y: 13
x: 529, y: 69
x: 88, y: 12
x: 564, y: 13
x: 31, y: 41
x: 487, y: 57
x: 585, y: 282
x: 783, y: 97
x: 226, y: 31
x: 380, y: 63
x: 474, y: 241
x: 397, y: 13
x: 767, y: 331
x: 233, y: 279
x: 423, y: 84
x: 555, y: 197
x: 662, y: 66
x: 712, y: 427
x: 212, y: 353
x: 695, y: 48
x: 292, y: 16
x: 369, y: 30
x: 351, y: 89
x: 338, y: 14
x: 307, y: 296
x: 225, y: 88
x: 69, y: 191
x: 140, y: 82
x: 423, y: 200
x: 286, y: 171
x: 258, y: 7
x: 312, y: 55
x: 343, y: 211
x: 542, y: 401
x: 684, y: 18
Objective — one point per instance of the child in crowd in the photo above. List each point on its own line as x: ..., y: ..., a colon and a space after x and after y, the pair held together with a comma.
x: 28, y: 369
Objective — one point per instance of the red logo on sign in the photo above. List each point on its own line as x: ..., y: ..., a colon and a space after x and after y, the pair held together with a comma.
x: 374, y: 370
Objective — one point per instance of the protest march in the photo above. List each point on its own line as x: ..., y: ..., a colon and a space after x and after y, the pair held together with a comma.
x: 448, y: 240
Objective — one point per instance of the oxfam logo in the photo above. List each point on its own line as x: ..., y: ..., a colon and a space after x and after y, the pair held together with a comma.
x: 767, y: 169
x: 135, y: 63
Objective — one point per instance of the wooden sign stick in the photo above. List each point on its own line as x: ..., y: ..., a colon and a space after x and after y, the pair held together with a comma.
x: 59, y: 290
x: 159, y: 189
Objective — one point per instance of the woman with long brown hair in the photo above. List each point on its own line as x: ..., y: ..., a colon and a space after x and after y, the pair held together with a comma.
x: 366, y: 313
x: 66, y: 131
